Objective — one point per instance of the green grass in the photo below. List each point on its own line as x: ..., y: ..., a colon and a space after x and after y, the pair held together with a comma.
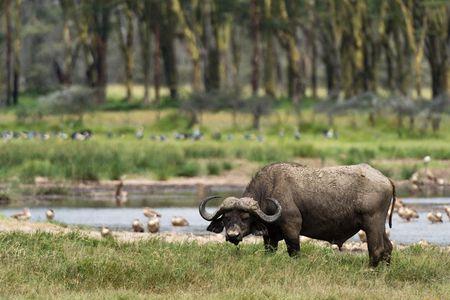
x: 102, y: 158
x: 72, y: 266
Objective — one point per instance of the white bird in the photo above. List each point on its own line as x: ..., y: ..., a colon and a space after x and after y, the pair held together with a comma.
x: 362, y: 236
x: 137, y: 226
x: 153, y: 225
x: 447, y: 211
x: 434, y: 217
x: 407, y: 213
x: 24, y: 215
x: 50, y: 214
x: 105, y: 232
x: 150, y: 212
x: 179, y: 221
x: 121, y: 195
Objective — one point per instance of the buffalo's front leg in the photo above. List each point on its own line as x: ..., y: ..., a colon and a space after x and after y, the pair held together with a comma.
x: 291, y: 234
x: 293, y: 246
x: 270, y: 244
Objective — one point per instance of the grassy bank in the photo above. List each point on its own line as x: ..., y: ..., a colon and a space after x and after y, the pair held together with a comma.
x: 71, y: 266
x: 102, y: 158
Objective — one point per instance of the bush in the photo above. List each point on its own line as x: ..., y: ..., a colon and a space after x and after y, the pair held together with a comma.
x: 213, y: 168
x: 357, y: 155
x: 226, y: 165
x: 266, y: 153
x: 204, y: 151
x: 306, y: 150
x: 190, y: 169
x: 74, y: 100
x: 33, y: 168
x: 406, y: 171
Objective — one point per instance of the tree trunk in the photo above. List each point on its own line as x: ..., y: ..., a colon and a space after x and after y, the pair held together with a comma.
x: 144, y: 34
x: 17, y: 47
x: 101, y: 46
x: 314, y: 68
x: 210, y: 40
x: 157, y: 66
x: 129, y: 56
x: 169, y: 62
x: 125, y: 34
x: 255, y: 33
x: 235, y: 58
x: 102, y: 24
x: 8, y: 52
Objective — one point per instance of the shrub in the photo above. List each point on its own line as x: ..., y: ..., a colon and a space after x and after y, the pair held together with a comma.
x: 357, y: 155
x: 213, y: 168
x: 406, y: 171
x: 306, y: 150
x: 226, y: 165
x: 74, y: 100
x: 189, y: 169
x: 33, y: 168
x: 266, y: 153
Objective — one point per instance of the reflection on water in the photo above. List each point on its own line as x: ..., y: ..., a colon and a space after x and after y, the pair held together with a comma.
x: 96, y: 215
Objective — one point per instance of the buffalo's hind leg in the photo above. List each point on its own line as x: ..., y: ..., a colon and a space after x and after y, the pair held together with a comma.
x: 386, y: 256
x: 374, y: 229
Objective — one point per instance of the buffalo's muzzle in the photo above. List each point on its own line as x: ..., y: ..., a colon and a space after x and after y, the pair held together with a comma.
x: 233, y: 236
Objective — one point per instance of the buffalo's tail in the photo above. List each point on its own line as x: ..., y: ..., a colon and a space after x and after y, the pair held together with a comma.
x: 393, y: 203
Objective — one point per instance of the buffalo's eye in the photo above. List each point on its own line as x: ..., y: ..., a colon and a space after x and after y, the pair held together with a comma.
x: 245, y: 216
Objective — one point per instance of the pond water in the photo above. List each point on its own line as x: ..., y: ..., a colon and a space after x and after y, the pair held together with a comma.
x: 120, y: 218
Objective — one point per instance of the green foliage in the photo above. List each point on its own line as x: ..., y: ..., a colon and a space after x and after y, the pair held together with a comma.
x: 357, y: 156
x: 76, y: 266
x: 189, y: 169
x: 226, y: 165
x: 172, y: 121
x: 406, y: 171
x: 213, y: 168
x: 74, y: 100
x: 267, y: 153
x: 32, y: 168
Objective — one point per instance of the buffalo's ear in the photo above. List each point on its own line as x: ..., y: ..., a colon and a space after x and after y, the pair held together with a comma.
x: 216, y: 226
x: 259, y: 229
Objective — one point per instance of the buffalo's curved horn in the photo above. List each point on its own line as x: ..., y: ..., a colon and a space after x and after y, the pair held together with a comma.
x: 270, y: 218
x: 202, y: 209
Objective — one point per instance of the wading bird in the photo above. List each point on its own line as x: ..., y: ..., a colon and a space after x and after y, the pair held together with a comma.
x: 407, y: 213
x: 150, y: 213
x: 153, y: 225
x: 105, y: 232
x: 24, y: 215
x: 362, y: 236
x: 137, y: 226
x: 447, y: 211
x: 50, y: 214
x: 179, y: 221
x: 121, y: 195
x: 434, y: 217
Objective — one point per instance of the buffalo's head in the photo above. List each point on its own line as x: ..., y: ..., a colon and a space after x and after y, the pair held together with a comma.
x: 239, y: 217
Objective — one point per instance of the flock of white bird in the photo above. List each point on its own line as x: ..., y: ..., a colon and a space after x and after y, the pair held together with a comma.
x: 153, y: 224
x: 408, y: 213
x: 121, y: 197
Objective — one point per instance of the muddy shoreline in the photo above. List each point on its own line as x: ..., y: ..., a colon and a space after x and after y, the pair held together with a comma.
x: 11, y: 225
x: 141, y: 189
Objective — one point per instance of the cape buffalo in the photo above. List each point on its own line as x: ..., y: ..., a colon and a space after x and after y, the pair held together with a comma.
x: 286, y: 200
